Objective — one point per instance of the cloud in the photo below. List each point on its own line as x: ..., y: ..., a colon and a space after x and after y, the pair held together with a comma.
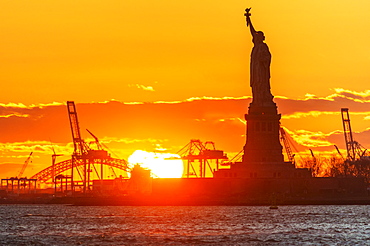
x: 323, y: 105
x: 205, y: 98
x: 23, y: 106
x: 357, y: 96
x: 15, y: 115
x: 216, y: 98
x: 234, y: 120
x: 142, y: 87
x: 312, y: 139
x: 156, y: 119
x: 362, y: 96
x: 312, y: 122
x: 13, y: 105
x: 110, y: 140
x: 38, y: 147
x: 316, y: 114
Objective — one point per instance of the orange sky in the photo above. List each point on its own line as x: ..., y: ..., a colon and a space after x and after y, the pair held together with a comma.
x: 97, y: 51
x: 170, y: 51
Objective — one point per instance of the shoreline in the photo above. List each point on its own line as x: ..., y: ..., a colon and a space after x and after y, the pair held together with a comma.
x: 181, y: 201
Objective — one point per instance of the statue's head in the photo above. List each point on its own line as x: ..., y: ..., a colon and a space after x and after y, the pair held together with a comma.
x: 259, y: 37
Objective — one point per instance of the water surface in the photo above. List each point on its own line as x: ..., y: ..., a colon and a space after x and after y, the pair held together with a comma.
x: 178, y: 225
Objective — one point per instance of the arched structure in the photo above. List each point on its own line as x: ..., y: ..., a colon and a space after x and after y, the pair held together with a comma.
x: 60, y: 167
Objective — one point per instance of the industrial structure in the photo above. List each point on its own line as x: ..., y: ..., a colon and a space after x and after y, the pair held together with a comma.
x: 357, y: 161
x: 84, y: 162
x: 20, y: 184
x: 260, y: 174
x: 20, y: 174
x: 286, y: 143
x: 204, y: 154
x: 355, y: 151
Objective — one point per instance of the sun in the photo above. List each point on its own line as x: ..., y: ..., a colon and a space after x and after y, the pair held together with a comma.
x: 162, y: 165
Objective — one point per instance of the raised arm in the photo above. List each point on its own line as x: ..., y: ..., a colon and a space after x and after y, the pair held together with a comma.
x: 249, y: 22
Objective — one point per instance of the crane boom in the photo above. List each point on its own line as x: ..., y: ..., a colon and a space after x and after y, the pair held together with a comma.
x: 24, y: 165
x: 348, y: 137
x: 97, y: 142
x: 79, y: 144
x: 286, y: 145
x: 95, y: 137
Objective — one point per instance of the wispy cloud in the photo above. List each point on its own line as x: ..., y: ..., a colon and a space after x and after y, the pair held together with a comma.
x: 312, y: 138
x: 316, y: 114
x: 361, y: 96
x: 31, y: 106
x: 238, y: 120
x: 298, y: 115
x: 193, y: 99
x: 13, y: 105
x: 111, y: 140
x: 315, y: 122
x: 356, y: 96
x: 215, y: 98
x: 41, y: 147
x: 142, y: 87
x: 310, y: 100
x: 15, y: 115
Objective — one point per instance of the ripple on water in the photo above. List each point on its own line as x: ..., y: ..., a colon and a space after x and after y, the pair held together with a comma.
x: 222, y: 225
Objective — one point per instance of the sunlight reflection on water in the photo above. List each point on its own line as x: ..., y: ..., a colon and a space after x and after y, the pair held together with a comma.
x: 221, y: 225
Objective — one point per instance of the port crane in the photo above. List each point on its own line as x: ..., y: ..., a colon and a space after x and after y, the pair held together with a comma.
x: 357, y: 162
x: 84, y: 154
x: 20, y: 184
x: 84, y: 162
x: 80, y: 148
x: 53, y: 161
x: 24, y: 166
x: 237, y: 158
x: 286, y: 143
x: 355, y: 151
x: 99, y: 146
x: 195, y: 150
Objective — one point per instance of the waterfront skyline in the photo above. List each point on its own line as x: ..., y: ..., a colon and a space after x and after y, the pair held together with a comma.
x: 188, y: 61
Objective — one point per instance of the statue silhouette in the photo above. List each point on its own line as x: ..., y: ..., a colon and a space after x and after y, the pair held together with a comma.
x: 259, y: 67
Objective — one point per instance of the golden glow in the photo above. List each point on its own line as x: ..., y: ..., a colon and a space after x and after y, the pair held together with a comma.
x: 160, y: 164
x: 182, y: 64
x: 59, y: 46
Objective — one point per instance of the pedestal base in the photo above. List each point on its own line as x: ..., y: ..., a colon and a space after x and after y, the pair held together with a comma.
x: 263, y: 142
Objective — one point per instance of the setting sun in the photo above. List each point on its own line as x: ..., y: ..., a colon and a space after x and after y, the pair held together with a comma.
x: 160, y: 164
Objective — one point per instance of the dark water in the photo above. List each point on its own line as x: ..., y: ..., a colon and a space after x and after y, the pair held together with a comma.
x: 218, y: 225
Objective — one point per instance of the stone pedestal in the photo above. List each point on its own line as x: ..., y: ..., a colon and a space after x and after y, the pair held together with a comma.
x: 263, y: 143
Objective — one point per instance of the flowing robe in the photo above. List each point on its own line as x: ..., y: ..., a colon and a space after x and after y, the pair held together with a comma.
x: 260, y: 74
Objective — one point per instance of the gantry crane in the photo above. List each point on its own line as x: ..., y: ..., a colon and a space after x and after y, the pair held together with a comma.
x: 237, y: 158
x: 80, y: 147
x: 354, y: 150
x: 83, y: 153
x: 96, y: 142
x: 83, y: 163
x: 195, y: 150
x: 100, y: 148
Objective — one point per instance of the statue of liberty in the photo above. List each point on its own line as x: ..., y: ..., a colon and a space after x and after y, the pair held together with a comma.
x: 259, y: 67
